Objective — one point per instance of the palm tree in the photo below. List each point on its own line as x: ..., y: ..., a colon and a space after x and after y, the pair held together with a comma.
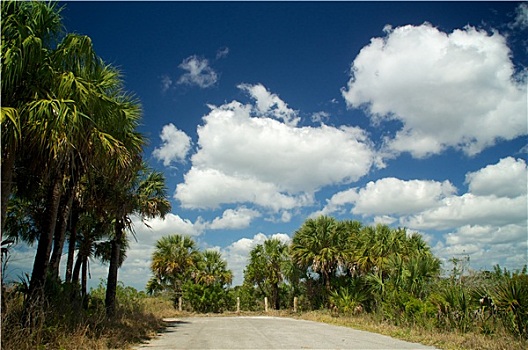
x: 174, y: 260
x: 320, y: 244
x: 267, y: 267
x: 212, y: 269
x: 28, y: 30
x: 146, y: 196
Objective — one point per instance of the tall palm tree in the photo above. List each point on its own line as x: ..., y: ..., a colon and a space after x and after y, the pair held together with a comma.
x: 146, y: 196
x: 28, y: 31
x: 320, y: 244
x: 75, y: 125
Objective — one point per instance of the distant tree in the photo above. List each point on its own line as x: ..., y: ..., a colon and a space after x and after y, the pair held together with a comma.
x: 207, y: 290
x: 174, y: 261
x: 267, y: 268
x: 321, y: 246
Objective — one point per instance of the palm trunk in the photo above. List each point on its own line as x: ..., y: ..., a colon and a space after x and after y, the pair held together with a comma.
x: 77, y: 268
x: 111, y: 283
x: 276, y: 298
x: 60, y: 233
x: 84, y: 276
x: 72, y: 241
x: 40, y: 265
x: 328, y: 286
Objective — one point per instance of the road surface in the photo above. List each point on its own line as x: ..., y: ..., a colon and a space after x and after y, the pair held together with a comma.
x: 261, y: 332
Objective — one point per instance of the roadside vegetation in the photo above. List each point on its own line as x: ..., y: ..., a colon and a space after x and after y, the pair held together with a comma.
x: 73, y: 177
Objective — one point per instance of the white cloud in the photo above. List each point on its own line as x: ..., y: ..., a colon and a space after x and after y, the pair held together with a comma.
x: 486, y: 245
x: 171, y: 224
x: 234, y: 219
x: 176, y: 145
x: 521, y: 18
x: 256, y: 159
x: 469, y: 209
x: 337, y: 201
x: 391, y: 196
x: 199, y: 72
x: 490, y: 220
x: 320, y: 117
x: 394, y: 196
x: 237, y: 253
x: 497, y: 197
x: 166, y: 83
x: 222, y: 52
x: 208, y: 188
x: 448, y: 90
x: 270, y: 105
x: 508, y: 178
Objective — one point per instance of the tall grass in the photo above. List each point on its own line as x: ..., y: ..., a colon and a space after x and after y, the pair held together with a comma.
x: 62, y: 320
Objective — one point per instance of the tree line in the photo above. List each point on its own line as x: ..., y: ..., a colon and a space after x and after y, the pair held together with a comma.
x: 72, y: 168
x: 349, y: 268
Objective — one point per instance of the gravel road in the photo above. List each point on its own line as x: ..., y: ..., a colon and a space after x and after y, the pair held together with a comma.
x: 263, y: 332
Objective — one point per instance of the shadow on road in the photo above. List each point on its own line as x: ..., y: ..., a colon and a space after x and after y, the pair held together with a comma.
x: 170, y: 325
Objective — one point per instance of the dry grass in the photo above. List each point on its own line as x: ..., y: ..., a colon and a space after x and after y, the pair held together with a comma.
x: 136, y: 325
x: 432, y: 337
x: 56, y: 328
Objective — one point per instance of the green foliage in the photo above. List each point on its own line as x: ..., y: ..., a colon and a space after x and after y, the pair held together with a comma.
x: 510, y: 296
x: 180, y: 269
x: 266, y: 271
x: 206, y: 298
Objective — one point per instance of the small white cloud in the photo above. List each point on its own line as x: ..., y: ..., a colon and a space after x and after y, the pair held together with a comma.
x: 176, y: 145
x: 166, y: 83
x: 238, y: 218
x: 521, y: 18
x: 199, y: 72
x: 454, y: 89
x: 320, y: 117
x: 222, y: 52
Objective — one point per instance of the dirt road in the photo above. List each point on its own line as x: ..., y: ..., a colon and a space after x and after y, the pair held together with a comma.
x: 267, y: 333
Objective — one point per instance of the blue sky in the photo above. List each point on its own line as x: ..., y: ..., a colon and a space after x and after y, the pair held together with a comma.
x: 264, y: 114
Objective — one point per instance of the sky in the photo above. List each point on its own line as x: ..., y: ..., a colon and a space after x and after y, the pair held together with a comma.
x: 261, y: 115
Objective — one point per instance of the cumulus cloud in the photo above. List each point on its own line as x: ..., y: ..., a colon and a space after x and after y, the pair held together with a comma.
x: 470, y: 209
x: 237, y: 253
x: 490, y: 219
x: 507, y: 178
x: 238, y: 218
x: 176, y: 145
x: 447, y: 90
x: 269, y: 104
x: 198, y: 72
x: 486, y: 245
x: 521, y: 18
x: 391, y: 196
x: 497, y: 197
x: 171, y: 224
x: 246, y: 158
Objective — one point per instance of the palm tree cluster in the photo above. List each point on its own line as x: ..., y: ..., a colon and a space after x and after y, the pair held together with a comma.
x: 72, y: 169
x: 332, y: 263
x: 389, y: 272
x: 181, y: 270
